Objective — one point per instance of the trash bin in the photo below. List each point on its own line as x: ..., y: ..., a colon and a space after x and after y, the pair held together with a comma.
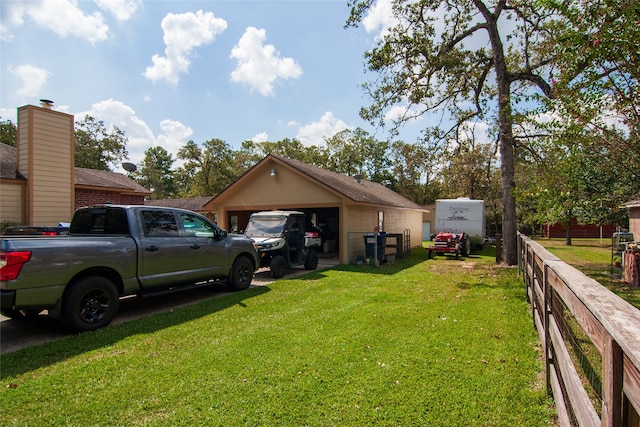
x: 370, y: 243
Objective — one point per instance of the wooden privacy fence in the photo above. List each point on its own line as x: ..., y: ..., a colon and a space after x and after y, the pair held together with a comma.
x: 590, y: 339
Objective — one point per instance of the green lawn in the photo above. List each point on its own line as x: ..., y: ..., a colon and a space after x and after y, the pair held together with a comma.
x: 593, y: 258
x: 436, y: 342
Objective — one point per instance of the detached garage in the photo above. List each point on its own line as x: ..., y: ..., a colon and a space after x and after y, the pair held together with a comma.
x: 343, y: 207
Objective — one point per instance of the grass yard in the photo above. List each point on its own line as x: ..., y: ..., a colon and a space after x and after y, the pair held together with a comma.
x: 420, y: 342
x: 593, y: 258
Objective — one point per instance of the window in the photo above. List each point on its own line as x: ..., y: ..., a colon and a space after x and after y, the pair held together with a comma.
x: 159, y: 224
x: 381, y: 220
x: 195, y: 226
x: 100, y: 221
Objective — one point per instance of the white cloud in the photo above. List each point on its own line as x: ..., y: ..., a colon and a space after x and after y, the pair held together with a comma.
x: 63, y: 17
x: 259, y: 65
x: 379, y: 18
x: 260, y: 137
x: 9, y: 114
x: 174, y: 135
x: 10, y: 17
x: 139, y: 135
x: 315, y: 133
x: 122, y: 10
x: 182, y: 34
x: 33, y: 79
x: 397, y: 112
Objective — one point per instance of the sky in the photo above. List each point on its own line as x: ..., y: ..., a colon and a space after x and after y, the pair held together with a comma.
x: 166, y: 72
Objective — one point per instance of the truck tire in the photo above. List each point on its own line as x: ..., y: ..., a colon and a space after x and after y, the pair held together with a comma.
x: 278, y: 266
x: 91, y: 303
x: 241, y: 274
x: 311, y: 263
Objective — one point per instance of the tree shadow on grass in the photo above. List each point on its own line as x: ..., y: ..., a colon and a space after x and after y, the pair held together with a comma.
x: 64, y: 345
x: 416, y: 256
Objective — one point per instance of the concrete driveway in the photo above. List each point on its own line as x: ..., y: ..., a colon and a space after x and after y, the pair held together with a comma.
x: 15, y: 335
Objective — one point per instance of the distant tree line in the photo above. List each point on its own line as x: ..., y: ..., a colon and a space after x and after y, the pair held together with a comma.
x: 409, y: 169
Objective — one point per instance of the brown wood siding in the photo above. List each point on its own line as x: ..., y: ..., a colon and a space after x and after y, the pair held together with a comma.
x: 22, y: 141
x: 48, y: 143
x: 12, y: 201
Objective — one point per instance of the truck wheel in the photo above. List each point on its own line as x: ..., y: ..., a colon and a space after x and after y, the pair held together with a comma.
x: 241, y: 274
x: 311, y: 263
x: 20, y: 314
x: 278, y: 266
x: 91, y: 303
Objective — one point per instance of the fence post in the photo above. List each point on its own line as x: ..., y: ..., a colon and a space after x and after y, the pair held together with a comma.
x: 546, y: 302
x: 612, y: 366
x: 519, y: 246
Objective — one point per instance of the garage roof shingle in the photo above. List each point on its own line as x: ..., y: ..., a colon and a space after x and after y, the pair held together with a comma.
x: 359, y: 191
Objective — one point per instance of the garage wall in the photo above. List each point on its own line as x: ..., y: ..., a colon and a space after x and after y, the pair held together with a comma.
x: 396, y: 221
x: 284, y: 189
x: 363, y: 219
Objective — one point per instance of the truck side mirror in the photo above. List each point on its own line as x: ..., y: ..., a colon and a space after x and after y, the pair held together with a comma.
x: 222, y: 234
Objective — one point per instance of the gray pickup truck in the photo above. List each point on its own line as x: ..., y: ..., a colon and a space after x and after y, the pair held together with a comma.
x: 113, y: 251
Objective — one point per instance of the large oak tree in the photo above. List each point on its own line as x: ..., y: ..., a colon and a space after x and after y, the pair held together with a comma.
x: 474, y: 58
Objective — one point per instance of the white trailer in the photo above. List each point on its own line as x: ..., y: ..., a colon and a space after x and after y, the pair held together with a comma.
x: 463, y: 214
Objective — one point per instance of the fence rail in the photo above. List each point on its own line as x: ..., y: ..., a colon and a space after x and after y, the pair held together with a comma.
x: 590, y: 339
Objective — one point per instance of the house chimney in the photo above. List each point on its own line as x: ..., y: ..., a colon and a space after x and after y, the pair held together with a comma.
x: 358, y: 178
x: 44, y: 154
x: 45, y: 103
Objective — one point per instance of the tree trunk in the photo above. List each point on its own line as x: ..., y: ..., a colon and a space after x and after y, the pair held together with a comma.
x: 568, y: 235
x: 505, y: 129
x: 509, y: 228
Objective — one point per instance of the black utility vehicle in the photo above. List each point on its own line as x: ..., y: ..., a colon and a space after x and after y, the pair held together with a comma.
x: 282, y: 241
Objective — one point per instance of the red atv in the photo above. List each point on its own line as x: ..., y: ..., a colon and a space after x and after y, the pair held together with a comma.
x: 447, y: 242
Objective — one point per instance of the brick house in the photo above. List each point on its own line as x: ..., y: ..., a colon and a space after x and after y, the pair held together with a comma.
x: 39, y: 184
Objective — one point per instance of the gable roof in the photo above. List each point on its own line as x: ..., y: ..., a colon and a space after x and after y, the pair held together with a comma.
x: 362, y: 190
x: 114, y: 180
x: 8, y: 162
x: 83, y: 176
x: 358, y: 191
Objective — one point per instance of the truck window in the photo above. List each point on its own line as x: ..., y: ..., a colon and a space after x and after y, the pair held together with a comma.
x: 195, y: 226
x: 159, y: 224
x: 100, y: 221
